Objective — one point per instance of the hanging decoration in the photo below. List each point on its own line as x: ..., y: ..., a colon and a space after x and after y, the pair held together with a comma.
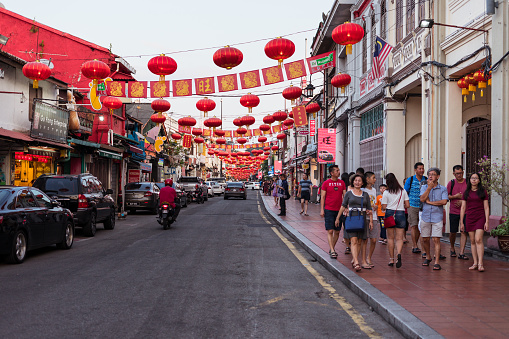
x: 348, y: 34
x: 199, y: 140
x: 341, y: 80
x: 219, y: 133
x: 241, y: 131
x: 158, y: 118
x: 247, y: 120
x: 36, y: 71
x: 197, y: 132
x: 213, y: 123
x: 241, y: 140
x: 228, y: 57
x: 176, y: 136
x: 221, y: 141
x: 471, y: 84
x: 312, y: 108
x: 281, y: 136
x: 205, y: 105
x: 279, y: 49
x: 262, y: 139
x: 112, y: 103
x: 162, y: 65
x: 249, y: 100
x: 187, y: 121
x: 95, y: 70
x: 462, y: 83
x: 481, y: 80
x: 292, y: 93
x: 265, y: 129
x: 288, y: 122
x: 160, y: 106
x: 280, y: 116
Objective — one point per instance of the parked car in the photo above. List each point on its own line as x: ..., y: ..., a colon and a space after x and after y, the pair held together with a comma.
x: 189, y: 184
x: 142, y: 196
x: 29, y: 219
x: 181, y: 194
x: 253, y: 185
x: 214, y: 188
x: 84, y: 195
x: 221, y: 181
x: 235, y: 189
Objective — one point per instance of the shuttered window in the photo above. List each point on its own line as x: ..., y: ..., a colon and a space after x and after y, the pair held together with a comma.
x: 399, y: 20
x: 383, y: 20
x: 373, y: 34
x: 410, y: 16
x: 364, y: 51
x: 421, y: 9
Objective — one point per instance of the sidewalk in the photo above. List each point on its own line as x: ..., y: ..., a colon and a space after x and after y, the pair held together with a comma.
x: 454, y: 302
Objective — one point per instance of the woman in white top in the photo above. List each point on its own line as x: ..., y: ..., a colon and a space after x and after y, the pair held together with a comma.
x: 394, y: 201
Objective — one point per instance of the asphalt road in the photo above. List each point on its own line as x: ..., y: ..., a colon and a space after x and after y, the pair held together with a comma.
x: 222, y: 271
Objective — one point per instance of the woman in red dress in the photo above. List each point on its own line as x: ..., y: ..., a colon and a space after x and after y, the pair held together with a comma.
x: 474, y: 216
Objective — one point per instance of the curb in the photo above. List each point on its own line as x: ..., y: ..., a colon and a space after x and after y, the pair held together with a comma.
x: 402, y: 320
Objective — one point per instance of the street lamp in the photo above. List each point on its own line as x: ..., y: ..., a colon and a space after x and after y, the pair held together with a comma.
x: 308, y: 91
x: 429, y: 23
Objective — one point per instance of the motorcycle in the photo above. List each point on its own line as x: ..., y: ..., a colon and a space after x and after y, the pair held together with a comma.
x: 198, y: 196
x: 166, y: 216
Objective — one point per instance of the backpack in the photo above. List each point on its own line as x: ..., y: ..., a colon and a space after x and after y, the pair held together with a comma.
x: 452, y: 186
x: 412, y: 180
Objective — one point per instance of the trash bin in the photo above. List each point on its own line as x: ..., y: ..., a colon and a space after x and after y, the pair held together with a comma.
x: 314, y: 194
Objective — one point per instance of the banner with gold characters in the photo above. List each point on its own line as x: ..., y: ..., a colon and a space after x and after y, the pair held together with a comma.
x: 185, y: 129
x: 137, y: 89
x: 295, y: 69
x: 272, y: 75
x: 159, y: 89
x: 115, y: 88
x: 204, y: 86
x: 226, y: 83
x: 250, y: 79
x: 187, y: 140
x: 182, y: 88
x: 299, y: 116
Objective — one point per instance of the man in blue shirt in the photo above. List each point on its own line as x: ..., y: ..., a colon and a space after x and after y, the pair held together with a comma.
x: 413, y: 188
x: 433, y: 196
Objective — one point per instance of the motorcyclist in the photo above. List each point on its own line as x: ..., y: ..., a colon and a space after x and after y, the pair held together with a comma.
x: 199, y: 192
x: 167, y: 195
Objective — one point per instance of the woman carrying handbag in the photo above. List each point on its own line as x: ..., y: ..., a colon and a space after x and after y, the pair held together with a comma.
x: 356, y: 224
x: 394, y: 201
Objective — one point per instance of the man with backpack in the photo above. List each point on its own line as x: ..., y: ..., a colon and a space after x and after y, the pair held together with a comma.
x: 413, y: 188
x: 456, y: 187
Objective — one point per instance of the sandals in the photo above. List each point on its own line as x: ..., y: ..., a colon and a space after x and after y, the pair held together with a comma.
x: 333, y: 254
x: 357, y: 267
x: 301, y: 212
x: 423, y: 255
x: 366, y: 267
x: 463, y: 257
x: 473, y: 267
x: 370, y: 264
x: 307, y: 215
x: 436, y: 267
x: 453, y: 254
x: 398, y: 262
x: 480, y: 268
x: 347, y: 250
x: 391, y: 262
x: 426, y: 262
x: 416, y: 250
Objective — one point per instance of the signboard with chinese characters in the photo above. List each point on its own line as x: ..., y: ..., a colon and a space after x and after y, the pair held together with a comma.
x: 50, y: 122
x: 312, y: 128
x: 300, y: 116
x: 133, y: 175
x: 326, y: 145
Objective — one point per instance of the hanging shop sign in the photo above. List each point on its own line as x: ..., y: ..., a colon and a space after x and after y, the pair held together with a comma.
x: 326, y: 145
x: 50, y: 122
x: 312, y: 128
x: 300, y: 116
x: 321, y: 62
x: 133, y: 175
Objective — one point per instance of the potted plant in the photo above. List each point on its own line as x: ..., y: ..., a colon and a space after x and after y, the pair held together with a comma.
x: 493, y: 176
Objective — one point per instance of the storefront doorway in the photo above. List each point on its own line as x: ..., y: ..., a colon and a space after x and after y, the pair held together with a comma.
x: 478, y: 142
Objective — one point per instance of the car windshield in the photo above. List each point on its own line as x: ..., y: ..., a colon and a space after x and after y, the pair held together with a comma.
x: 188, y: 180
x: 235, y: 184
x: 57, y: 185
x: 135, y: 186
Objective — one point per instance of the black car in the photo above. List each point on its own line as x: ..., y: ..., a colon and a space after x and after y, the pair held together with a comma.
x: 235, y: 189
x: 142, y: 196
x: 181, y: 194
x: 29, y: 219
x: 84, y: 195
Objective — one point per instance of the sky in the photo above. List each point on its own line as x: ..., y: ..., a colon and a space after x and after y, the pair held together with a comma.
x: 139, y: 30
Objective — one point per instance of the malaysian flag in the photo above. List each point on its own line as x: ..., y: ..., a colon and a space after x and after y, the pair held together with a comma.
x: 382, y: 50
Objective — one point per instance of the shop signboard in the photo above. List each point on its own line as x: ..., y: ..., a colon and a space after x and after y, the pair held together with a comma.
x: 278, y: 166
x: 133, y: 175
x: 50, y: 122
x: 312, y: 128
x: 326, y: 145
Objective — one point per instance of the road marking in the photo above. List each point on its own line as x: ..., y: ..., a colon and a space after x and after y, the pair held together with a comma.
x: 272, y: 301
x: 345, y: 305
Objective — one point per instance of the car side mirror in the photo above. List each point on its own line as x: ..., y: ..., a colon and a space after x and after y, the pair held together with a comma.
x: 109, y: 191
x: 54, y: 203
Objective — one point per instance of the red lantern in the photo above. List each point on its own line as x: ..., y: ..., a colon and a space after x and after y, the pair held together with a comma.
x: 176, y: 136
x: 279, y: 49
x: 312, y: 108
x: 249, y: 100
x: 266, y: 153
x: 221, y: 141
x: 112, y: 103
x: 213, y: 122
x: 281, y: 136
x: 36, y: 71
x: 205, y: 105
x: 241, y: 140
x: 241, y: 130
x: 95, y: 70
x: 196, y: 131
x: 237, y: 122
x: 288, y: 122
x: 162, y: 65
x: 481, y: 80
x: 274, y: 148
x: 160, y: 105
x: 219, y: 133
x: 228, y: 57
x: 292, y: 93
x: 199, y: 140
x: 266, y: 148
x: 247, y: 120
x: 265, y: 129
x: 262, y: 139
x: 158, y: 118
x: 234, y: 155
x: 187, y: 121
x: 211, y: 152
x: 280, y: 116
x: 348, y: 34
x: 341, y: 81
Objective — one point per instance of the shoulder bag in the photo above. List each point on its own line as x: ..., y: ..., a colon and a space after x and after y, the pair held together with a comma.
x: 390, y: 221
x: 355, y: 223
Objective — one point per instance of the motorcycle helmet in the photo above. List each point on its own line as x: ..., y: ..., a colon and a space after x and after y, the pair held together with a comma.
x: 196, y: 187
x: 168, y: 182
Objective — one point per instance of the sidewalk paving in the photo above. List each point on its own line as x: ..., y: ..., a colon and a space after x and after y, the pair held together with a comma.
x: 454, y: 302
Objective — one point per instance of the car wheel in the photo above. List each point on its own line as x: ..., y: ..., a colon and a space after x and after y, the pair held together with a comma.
x: 185, y: 205
x: 244, y: 198
x: 225, y: 197
x: 109, y: 223
x: 90, y: 228
x: 19, y: 248
x: 68, y: 237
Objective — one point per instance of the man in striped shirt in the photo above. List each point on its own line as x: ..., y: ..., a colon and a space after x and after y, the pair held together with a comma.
x: 304, y: 194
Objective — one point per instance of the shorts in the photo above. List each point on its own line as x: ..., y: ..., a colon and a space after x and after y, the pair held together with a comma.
x: 330, y: 220
x: 454, y: 223
x: 375, y: 232
x: 413, y: 216
x: 399, y: 218
x: 304, y: 195
x: 429, y: 229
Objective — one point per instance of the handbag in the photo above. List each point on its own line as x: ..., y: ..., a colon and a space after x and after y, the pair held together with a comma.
x: 390, y: 221
x: 355, y: 223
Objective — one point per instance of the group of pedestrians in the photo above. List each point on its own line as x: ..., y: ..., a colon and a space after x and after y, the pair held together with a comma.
x: 418, y: 204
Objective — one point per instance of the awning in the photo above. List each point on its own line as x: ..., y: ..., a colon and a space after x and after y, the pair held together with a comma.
x: 146, y: 167
x: 51, y: 143
x: 121, y: 137
x: 84, y: 143
x: 111, y: 155
x: 14, y: 135
x: 135, y: 149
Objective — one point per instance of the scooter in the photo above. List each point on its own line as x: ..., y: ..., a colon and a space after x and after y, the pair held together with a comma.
x: 198, y: 196
x: 166, y: 217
